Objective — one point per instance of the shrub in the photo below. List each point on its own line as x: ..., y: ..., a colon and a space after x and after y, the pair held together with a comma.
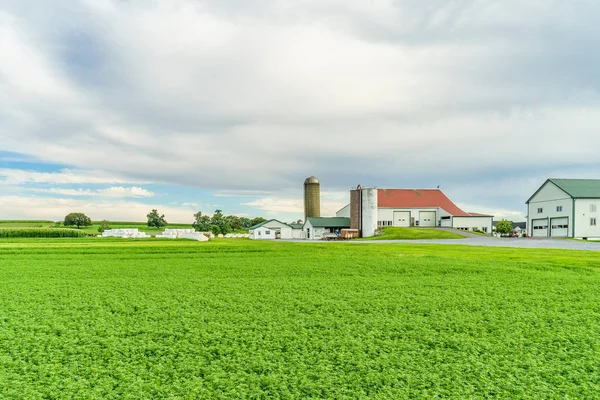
x: 104, y: 226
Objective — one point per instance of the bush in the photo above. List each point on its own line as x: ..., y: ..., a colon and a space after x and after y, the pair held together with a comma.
x: 104, y: 226
x: 40, y: 233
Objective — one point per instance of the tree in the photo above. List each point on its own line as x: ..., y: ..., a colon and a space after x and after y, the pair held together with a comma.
x: 77, y: 219
x: 219, y: 220
x: 504, y: 227
x: 235, y: 222
x: 104, y: 226
x: 155, y: 220
x: 201, y: 222
x: 256, y: 221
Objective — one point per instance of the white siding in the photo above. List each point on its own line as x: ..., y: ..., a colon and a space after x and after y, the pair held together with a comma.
x: 583, y: 228
x: 297, y: 234
x: 548, y: 199
x: 262, y: 233
x: 274, y: 227
x: 387, y: 214
x: 471, y: 223
x: 344, y: 212
x: 315, y: 233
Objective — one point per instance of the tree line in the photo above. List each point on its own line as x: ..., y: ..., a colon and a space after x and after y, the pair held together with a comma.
x: 217, y: 223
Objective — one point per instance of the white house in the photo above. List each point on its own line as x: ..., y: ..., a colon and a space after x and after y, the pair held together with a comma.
x: 274, y: 229
x: 316, y: 227
x: 565, y: 208
x: 408, y: 208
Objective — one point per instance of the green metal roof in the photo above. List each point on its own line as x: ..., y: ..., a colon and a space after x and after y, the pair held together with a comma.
x: 576, y: 188
x: 331, y: 222
x: 579, y: 188
x: 265, y: 223
x: 296, y: 226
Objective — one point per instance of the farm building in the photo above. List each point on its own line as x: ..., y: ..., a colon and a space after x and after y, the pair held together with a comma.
x: 275, y: 229
x: 317, y: 227
x: 565, y: 208
x: 371, y: 208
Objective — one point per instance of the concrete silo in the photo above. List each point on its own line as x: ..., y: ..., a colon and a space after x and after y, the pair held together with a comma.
x: 363, y: 210
x: 312, y: 197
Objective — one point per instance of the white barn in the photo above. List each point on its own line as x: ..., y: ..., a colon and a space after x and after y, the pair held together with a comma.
x: 408, y: 208
x: 565, y: 208
x: 275, y: 229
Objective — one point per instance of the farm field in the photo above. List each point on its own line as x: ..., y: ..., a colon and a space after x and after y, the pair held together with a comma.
x: 111, y: 318
x: 398, y: 233
x: 93, y: 229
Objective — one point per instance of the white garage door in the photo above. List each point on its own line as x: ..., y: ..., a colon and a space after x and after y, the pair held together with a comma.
x: 559, y: 227
x: 540, y: 227
x: 401, y: 218
x: 427, y: 218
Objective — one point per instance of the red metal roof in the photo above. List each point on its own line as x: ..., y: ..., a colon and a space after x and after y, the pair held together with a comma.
x: 472, y: 214
x: 418, y: 198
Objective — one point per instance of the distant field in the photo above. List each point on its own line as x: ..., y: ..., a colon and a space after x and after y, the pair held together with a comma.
x: 93, y: 229
x: 397, y: 233
x: 25, y: 224
x: 110, y: 318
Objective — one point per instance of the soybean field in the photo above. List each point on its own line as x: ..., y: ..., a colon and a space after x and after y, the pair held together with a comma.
x: 118, y: 318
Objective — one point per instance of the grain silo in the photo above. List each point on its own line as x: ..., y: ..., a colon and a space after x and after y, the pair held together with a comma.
x: 312, y: 197
x: 363, y: 210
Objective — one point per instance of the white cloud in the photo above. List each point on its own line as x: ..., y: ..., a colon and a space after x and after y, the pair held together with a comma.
x: 116, y: 191
x: 65, y: 176
x: 251, y: 97
x: 23, y: 207
x: 330, y: 203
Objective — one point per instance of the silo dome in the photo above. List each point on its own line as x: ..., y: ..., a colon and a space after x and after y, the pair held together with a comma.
x: 311, y: 179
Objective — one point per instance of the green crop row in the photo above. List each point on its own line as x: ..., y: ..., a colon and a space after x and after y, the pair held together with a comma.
x: 40, y: 233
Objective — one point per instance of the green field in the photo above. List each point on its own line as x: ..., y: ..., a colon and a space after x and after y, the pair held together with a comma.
x: 11, y: 224
x: 110, y: 318
x: 93, y: 229
x: 398, y: 233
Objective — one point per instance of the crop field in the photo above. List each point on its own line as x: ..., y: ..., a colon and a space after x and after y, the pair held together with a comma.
x: 110, y: 318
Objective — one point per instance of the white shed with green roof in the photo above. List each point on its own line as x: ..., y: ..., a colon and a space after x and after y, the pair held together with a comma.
x: 565, y: 208
x: 318, y: 227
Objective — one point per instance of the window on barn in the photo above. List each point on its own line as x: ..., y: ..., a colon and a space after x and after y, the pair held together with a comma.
x: 592, y: 208
x: 592, y: 221
x: 558, y: 208
x: 540, y: 210
x: 267, y: 232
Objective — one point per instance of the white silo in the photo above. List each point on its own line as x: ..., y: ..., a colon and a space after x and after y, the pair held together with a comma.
x: 369, y: 212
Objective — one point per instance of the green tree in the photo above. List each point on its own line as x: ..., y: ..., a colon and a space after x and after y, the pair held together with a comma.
x: 104, y: 226
x: 235, y: 222
x: 215, y: 229
x: 256, y: 221
x: 77, y: 219
x: 219, y: 220
x: 155, y: 220
x: 201, y: 222
x: 504, y: 227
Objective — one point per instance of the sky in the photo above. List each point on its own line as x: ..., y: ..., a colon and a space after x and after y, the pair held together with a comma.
x: 115, y: 107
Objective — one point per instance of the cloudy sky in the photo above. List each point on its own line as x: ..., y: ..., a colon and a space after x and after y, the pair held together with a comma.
x: 114, y: 107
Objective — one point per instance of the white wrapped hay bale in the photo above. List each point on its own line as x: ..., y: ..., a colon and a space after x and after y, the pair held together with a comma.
x: 195, y: 236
